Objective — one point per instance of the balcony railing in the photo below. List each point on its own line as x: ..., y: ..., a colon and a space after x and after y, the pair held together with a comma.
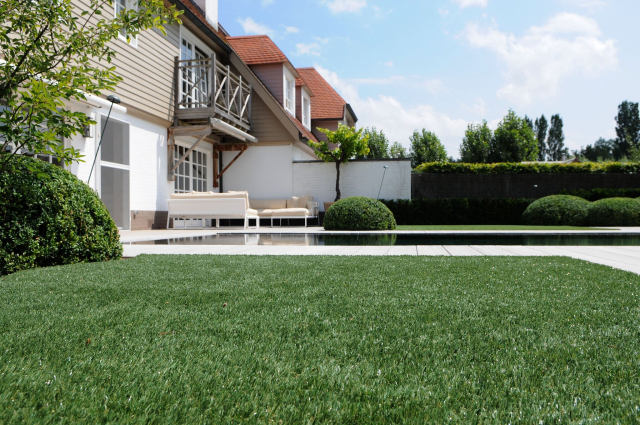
x: 205, y: 88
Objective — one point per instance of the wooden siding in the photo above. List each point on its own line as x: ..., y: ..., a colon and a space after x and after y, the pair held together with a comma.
x: 272, y: 77
x: 331, y: 125
x: 146, y: 70
x: 266, y: 127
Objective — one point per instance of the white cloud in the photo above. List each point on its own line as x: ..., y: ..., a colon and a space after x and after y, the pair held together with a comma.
x: 266, y: 2
x: 479, y: 107
x: 338, y: 6
x: 467, y: 3
x: 312, y: 49
x: 291, y: 30
x: 434, y: 86
x: 249, y: 26
x: 379, y: 81
x: 397, y: 121
x: 321, y: 40
x: 443, y: 12
x: 536, y: 63
x: 389, y: 64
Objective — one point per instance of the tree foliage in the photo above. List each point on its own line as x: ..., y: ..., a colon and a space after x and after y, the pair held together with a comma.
x: 513, y: 141
x: 426, y: 147
x: 378, y: 144
x: 540, y: 129
x: 628, y: 128
x: 476, y: 144
x: 341, y: 145
x: 601, y: 150
x: 55, y: 54
x: 397, y: 151
x: 555, y: 142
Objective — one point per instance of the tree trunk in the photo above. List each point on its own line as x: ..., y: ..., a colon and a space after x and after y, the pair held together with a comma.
x: 337, y: 181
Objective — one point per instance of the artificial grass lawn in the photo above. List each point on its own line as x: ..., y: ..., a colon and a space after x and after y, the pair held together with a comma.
x: 493, y: 227
x: 317, y: 339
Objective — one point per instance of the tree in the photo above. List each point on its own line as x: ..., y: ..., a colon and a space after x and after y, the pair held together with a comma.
x: 628, y: 128
x: 555, y: 141
x: 529, y: 121
x: 397, y: 151
x: 540, y: 129
x: 476, y: 144
x: 378, y: 144
x: 426, y: 147
x: 347, y: 142
x: 601, y: 150
x: 513, y: 141
x: 55, y: 54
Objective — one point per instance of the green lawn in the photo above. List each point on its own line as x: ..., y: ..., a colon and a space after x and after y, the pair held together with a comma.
x: 494, y: 227
x: 316, y: 339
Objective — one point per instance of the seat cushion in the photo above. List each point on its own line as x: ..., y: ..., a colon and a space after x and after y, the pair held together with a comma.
x: 252, y: 212
x: 290, y: 212
x: 268, y: 204
x: 265, y: 213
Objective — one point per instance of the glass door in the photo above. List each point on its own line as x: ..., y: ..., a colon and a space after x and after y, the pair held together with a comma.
x: 114, y: 172
x: 195, y: 77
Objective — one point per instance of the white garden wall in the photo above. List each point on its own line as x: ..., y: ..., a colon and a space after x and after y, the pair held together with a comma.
x: 357, y: 178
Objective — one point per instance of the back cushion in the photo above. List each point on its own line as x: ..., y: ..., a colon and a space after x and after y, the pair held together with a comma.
x: 268, y: 204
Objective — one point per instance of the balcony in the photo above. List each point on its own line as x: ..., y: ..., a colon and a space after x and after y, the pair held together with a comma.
x: 205, y: 89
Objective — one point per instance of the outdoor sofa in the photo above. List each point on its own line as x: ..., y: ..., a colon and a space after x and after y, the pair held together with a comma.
x: 237, y: 205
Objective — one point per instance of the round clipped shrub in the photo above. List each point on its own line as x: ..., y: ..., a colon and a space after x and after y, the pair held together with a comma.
x: 615, y: 212
x: 359, y: 213
x: 49, y: 217
x: 557, y: 210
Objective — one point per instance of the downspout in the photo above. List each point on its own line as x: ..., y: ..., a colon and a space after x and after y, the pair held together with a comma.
x: 220, y: 168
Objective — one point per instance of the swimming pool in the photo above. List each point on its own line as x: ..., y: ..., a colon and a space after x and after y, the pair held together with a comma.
x: 381, y: 239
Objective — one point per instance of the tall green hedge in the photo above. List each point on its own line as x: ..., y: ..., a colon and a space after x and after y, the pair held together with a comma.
x: 457, y: 211
x: 534, y: 168
x: 601, y: 193
x: 49, y: 217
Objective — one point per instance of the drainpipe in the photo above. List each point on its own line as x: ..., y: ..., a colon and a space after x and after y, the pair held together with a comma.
x: 220, y: 168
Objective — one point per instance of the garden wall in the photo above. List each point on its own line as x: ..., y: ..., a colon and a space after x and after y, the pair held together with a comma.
x: 357, y: 178
x: 496, y: 186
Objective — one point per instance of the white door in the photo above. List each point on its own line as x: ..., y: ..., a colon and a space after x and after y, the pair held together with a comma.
x: 191, y: 175
x: 114, y: 171
x: 195, y: 78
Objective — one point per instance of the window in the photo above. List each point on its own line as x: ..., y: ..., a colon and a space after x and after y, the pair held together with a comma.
x: 51, y: 159
x: 288, y: 101
x: 121, y: 6
x: 114, y: 171
x: 191, y: 174
x: 306, y: 110
x: 195, y: 78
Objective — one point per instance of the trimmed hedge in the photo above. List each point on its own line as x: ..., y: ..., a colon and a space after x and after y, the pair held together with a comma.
x: 359, y: 213
x: 557, y: 210
x: 597, y: 194
x: 615, y: 212
x: 49, y: 217
x: 457, y: 211
x: 520, y: 168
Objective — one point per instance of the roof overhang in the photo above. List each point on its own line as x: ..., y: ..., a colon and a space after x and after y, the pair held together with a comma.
x: 201, y: 25
x: 215, y: 125
x: 353, y: 114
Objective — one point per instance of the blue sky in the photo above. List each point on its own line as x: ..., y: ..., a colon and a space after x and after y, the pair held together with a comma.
x: 441, y: 64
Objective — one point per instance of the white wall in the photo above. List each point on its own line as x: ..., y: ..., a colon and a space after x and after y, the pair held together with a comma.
x: 266, y: 172
x: 149, y: 188
x: 357, y: 178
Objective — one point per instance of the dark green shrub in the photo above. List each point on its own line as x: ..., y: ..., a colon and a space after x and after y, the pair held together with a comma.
x: 602, y: 193
x: 557, y: 210
x: 359, y: 213
x: 49, y: 217
x: 615, y: 212
x: 533, y: 168
x: 457, y: 211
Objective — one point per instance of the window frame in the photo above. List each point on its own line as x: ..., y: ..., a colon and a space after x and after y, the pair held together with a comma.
x: 306, y: 112
x: 289, y: 83
x: 122, y: 35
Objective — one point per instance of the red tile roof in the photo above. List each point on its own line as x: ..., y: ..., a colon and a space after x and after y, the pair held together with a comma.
x: 326, y: 103
x: 306, y: 133
x: 301, y: 83
x: 257, y: 50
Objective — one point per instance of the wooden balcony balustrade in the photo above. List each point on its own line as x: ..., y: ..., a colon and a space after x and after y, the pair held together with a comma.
x: 205, y: 88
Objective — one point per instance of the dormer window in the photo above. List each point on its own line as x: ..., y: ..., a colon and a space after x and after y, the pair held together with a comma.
x: 306, y: 110
x: 289, y: 92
